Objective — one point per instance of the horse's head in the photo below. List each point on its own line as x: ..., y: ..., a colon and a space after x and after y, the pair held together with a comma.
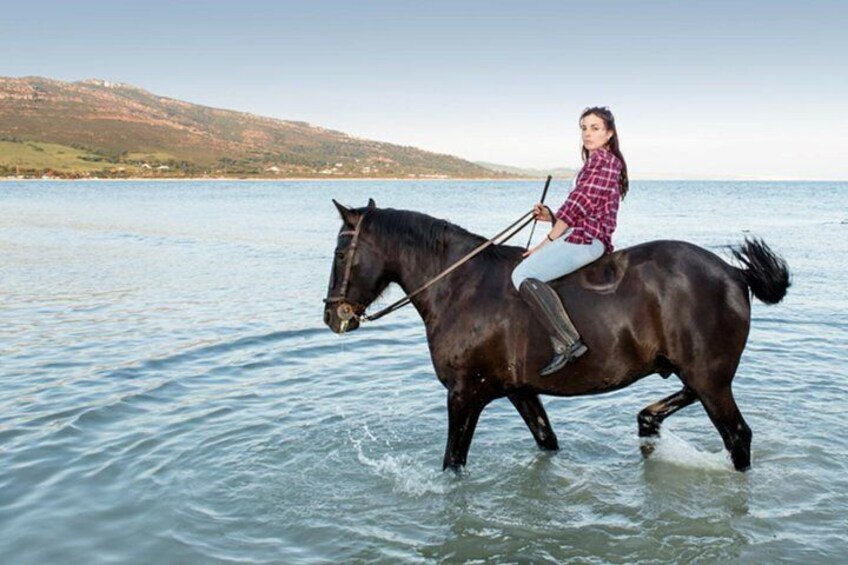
x: 357, y: 277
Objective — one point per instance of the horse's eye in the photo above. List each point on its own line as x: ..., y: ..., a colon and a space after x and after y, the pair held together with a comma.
x: 340, y: 255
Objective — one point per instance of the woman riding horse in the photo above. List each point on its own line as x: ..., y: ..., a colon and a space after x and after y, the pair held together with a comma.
x: 664, y: 307
x: 582, y: 232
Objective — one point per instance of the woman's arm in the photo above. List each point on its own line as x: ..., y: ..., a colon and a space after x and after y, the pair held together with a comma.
x: 557, y: 230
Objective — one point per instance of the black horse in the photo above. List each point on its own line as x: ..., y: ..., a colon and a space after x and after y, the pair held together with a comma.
x: 666, y: 307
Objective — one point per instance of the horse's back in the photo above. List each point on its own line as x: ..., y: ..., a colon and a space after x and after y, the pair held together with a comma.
x: 660, y: 298
x: 652, y: 263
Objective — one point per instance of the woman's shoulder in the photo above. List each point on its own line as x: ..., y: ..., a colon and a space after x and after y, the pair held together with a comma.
x: 602, y: 155
x: 603, y: 158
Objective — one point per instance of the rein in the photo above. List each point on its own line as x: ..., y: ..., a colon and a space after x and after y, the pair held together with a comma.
x: 346, y: 310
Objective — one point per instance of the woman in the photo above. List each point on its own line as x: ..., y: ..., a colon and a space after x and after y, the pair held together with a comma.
x: 582, y: 232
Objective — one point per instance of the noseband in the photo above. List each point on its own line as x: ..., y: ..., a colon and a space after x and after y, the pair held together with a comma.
x: 346, y: 309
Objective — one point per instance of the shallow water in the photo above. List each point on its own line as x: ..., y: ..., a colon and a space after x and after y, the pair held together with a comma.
x: 168, y: 391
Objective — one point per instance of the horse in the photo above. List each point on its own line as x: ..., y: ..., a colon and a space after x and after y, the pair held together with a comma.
x: 666, y: 307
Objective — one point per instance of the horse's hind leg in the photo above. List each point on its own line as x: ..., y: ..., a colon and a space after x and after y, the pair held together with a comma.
x: 725, y: 415
x: 651, y: 418
x: 531, y: 409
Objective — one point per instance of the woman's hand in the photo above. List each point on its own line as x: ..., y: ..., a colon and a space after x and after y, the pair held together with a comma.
x: 542, y: 212
x: 532, y: 250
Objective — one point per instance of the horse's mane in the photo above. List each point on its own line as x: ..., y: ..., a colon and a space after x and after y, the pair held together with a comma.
x: 406, y: 228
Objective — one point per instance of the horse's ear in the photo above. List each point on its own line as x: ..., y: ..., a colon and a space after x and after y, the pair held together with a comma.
x: 371, y: 203
x: 348, y: 215
x: 342, y: 210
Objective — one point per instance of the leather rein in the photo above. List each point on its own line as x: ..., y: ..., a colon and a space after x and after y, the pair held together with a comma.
x: 348, y: 310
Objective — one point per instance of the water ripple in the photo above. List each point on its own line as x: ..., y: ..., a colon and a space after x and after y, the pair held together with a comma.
x: 170, y: 395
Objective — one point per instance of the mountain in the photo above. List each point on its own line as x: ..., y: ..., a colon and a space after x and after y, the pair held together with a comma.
x: 558, y: 173
x: 106, y: 129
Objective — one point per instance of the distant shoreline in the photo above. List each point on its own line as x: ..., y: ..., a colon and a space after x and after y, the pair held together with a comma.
x: 266, y: 179
x: 388, y: 179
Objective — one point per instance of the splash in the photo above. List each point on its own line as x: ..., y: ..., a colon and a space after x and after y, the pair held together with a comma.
x: 673, y: 449
x: 407, y: 474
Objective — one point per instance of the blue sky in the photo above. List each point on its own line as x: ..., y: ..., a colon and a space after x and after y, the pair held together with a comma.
x: 700, y: 89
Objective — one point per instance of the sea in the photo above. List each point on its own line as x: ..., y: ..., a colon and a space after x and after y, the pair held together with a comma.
x: 170, y: 394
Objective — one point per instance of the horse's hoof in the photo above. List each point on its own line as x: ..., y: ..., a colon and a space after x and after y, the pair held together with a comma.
x: 742, y: 463
x: 455, y: 467
x: 647, y: 448
x: 549, y: 446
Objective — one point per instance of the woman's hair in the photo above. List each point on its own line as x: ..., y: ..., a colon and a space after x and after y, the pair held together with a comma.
x: 609, y: 122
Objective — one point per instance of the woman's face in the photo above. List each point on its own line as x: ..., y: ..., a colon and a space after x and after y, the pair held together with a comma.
x: 594, y: 132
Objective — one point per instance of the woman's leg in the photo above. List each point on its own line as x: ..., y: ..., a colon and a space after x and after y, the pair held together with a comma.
x: 556, y: 259
x: 530, y: 277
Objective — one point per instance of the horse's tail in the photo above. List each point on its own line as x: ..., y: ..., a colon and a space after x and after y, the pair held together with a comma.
x: 765, y: 272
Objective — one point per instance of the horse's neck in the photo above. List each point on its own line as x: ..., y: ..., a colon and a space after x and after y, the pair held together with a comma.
x: 417, y: 266
x: 420, y: 265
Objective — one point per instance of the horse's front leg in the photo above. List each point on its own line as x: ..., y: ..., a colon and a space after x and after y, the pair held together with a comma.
x: 531, y: 409
x: 463, y: 412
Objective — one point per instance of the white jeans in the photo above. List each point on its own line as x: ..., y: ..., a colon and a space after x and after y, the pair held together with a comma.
x: 556, y: 259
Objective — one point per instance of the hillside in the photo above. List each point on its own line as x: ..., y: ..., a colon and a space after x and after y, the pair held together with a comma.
x: 558, y: 173
x: 98, y: 128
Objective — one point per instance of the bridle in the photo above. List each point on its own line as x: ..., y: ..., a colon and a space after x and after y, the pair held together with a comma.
x: 348, y: 310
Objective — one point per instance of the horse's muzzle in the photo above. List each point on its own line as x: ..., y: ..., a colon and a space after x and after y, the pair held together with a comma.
x: 342, y: 318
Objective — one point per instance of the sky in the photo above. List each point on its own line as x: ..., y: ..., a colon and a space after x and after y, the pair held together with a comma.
x: 700, y: 89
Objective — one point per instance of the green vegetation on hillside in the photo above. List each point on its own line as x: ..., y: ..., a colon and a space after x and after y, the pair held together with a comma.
x: 36, y: 159
x: 28, y: 155
x: 94, y: 128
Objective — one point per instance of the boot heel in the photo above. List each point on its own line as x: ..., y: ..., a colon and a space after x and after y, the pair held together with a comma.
x: 550, y: 311
x: 577, y: 350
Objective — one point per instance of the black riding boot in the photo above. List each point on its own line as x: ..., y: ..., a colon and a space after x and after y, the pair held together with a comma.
x: 548, y: 309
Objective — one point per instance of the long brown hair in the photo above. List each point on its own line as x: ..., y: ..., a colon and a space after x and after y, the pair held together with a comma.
x: 609, y: 122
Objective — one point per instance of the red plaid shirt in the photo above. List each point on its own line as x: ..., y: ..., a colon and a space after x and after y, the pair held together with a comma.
x: 592, y: 206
